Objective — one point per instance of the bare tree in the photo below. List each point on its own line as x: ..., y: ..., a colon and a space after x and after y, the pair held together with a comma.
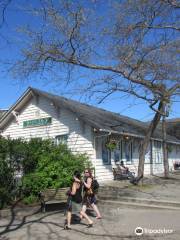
x: 133, y: 44
x: 4, y: 4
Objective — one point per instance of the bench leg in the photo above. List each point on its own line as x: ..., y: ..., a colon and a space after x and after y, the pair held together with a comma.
x: 43, y: 207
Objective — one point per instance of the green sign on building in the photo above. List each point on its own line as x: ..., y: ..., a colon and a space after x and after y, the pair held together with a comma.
x: 37, y: 122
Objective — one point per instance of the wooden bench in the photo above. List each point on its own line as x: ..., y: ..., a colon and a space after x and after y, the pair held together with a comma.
x: 53, y: 198
x: 120, y: 174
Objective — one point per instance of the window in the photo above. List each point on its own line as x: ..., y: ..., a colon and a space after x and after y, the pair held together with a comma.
x: 106, y: 154
x: 118, y: 152
x: 128, y: 149
x: 158, y: 154
x: 61, y: 139
x: 148, y: 154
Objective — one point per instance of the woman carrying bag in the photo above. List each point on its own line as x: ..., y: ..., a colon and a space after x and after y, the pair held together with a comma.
x: 74, y: 201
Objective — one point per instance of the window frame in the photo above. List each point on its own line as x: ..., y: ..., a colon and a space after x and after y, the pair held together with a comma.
x: 64, y: 141
x: 130, y: 142
x: 120, y: 147
x: 158, y: 151
x: 106, y: 161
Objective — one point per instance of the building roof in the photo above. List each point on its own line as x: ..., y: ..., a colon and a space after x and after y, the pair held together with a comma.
x: 2, y: 112
x: 173, y: 127
x: 96, y: 117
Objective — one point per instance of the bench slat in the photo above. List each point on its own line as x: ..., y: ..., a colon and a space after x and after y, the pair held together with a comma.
x: 54, y: 194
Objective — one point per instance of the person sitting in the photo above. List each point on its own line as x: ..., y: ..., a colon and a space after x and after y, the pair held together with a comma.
x: 123, y: 168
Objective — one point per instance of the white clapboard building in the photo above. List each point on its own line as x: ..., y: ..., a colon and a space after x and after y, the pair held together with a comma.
x: 86, y: 129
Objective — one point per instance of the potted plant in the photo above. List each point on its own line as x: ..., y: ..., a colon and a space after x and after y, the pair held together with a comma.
x: 111, y: 145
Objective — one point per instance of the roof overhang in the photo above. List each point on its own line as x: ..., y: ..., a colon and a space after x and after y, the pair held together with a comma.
x: 136, y: 136
x: 28, y: 94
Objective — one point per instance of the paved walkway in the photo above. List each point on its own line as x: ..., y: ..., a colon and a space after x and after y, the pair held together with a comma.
x: 119, y: 222
x: 154, y: 187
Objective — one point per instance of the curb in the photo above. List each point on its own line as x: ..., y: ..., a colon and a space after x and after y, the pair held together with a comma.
x: 158, y: 202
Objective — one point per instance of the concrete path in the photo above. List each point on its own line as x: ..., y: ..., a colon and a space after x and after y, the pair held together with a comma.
x: 153, y: 187
x: 117, y: 223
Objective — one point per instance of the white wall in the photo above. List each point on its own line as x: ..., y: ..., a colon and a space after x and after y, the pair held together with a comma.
x: 150, y: 167
x: 105, y: 171
x: 63, y: 122
x: 81, y: 137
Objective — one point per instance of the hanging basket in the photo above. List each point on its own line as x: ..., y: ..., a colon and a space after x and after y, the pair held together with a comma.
x: 111, y: 145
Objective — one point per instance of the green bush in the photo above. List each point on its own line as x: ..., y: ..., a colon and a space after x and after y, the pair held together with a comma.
x: 44, y: 165
x: 34, y: 149
x: 54, y: 170
x: 30, y: 199
x: 6, y: 183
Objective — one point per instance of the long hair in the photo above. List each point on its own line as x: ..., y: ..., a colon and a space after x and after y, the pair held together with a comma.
x: 90, y: 172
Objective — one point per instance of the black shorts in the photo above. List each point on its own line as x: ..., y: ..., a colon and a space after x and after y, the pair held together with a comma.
x: 89, y: 199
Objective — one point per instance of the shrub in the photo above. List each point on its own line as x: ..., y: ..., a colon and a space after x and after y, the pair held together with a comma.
x: 54, y: 169
x: 6, y: 183
x: 44, y: 165
x: 34, y: 149
x: 30, y: 199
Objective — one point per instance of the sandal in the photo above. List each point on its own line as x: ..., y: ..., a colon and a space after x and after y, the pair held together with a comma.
x: 66, y: 227
x: 90, y: 225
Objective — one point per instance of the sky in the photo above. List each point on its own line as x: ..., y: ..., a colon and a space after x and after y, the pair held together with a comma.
x: 11, y: 89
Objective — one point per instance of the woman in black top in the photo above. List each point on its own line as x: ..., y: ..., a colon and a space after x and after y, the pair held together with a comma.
x: 74, y: 201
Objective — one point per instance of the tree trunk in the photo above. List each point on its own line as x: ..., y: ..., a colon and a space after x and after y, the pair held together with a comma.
x: 147, y: 139
x: 165, y: 153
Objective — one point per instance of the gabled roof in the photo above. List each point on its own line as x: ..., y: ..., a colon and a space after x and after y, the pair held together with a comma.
x: 2, y: 112
x: 173, y: 127
x: 96, y: 117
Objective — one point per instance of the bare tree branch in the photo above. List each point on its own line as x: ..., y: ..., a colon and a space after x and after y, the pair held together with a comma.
x: 3, y: 7
x: 137, y: 52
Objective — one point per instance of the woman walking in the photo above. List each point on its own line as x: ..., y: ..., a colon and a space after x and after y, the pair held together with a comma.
x: 89, y: 198
x: 74, y: 201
